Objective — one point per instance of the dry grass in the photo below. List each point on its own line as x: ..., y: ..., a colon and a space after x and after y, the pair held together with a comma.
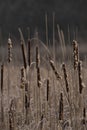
x: 44, y: 93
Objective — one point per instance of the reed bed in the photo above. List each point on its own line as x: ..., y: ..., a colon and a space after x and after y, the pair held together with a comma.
x: 40, y: 92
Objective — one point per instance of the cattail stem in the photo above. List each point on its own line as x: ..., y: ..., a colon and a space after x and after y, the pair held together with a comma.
x: 29, y: 52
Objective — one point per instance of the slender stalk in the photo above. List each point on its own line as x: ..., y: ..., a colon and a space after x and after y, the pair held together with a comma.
x: 2, y: 109
x: 29, y: 53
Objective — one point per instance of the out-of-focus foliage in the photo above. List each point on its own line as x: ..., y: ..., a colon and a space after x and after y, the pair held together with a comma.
x: 24, y: 13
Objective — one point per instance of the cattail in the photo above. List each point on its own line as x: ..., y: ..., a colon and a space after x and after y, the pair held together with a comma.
x: 37, y: 57
x: 65, y: 77
x: 2, y: 71
x: 22, y: 77
x: 47, y: 89
x: 75, y: 54
x: 24, y: 56
x: 84, y: 115
x: 12, y: 115
x: 38, y: 84
x: 29, y: 53
x: 81, y: 84
x: 38, y: 67
x: 26, y: 96
x: 54, y: 69
x: 27, y: 101
x: 2, y: 111
x: 61, y: 107
x: 9, y: 50
x: 41, y: 126
x: 38, y: 78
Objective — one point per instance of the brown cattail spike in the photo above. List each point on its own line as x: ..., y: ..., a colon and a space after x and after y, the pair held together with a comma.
x: 54, y: 69
x: 2, y: 109
x: 38, y: 78
x: 47, y: 89
x: 9, y: 50
x: 2, y: 71
x: 12, y: 119
x: 24, y: 56
x: 22, y: 77
x: 75, y: 54
x: 84, y: 115
x: 61, y: 107
x: 81, y: 84
x: 37, y: 57
x: 65, y: 77
x: 26, y: 96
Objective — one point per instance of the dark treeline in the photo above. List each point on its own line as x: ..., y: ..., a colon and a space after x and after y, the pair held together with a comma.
x: 31, y: 13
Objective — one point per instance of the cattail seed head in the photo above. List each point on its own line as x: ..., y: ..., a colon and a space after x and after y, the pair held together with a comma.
x: 84, y: 115
x: 9, y: 50
x: 27, y: 100
x: 54, y: 69
x: 81, y: 84
x: 61, y: 107
x: 75, y: 54
x: 2, y: 71
x: 47, y: 89
x: 37, y: 57
x: 38, y: 78
x: 65, y: 77
x: 12, y: 115
x: 22, y: 77
x: 24, y: 55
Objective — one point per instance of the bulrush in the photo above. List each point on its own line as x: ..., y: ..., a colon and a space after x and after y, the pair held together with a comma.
x: 75, y: 54
x: 24, y: 55
x: 81, y: 84
x: 65, y: 77
x: 22, y: 77
x: 47, y: 89
x: 61, y: 107
x: 84, y: 115
x: 2, y: 109
x: 2, y: 71
x: 37, y: 57
x: 38, y: 67
x: 54, y: 70
x: 9, y: 50
x: 12, y: 116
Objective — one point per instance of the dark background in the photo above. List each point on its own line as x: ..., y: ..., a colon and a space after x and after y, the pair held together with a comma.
x: 31, y: 13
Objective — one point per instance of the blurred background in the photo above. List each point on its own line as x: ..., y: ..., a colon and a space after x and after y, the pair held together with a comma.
x: 31, y: 13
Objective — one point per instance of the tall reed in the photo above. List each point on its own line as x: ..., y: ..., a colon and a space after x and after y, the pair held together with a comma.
x: 2, y: 107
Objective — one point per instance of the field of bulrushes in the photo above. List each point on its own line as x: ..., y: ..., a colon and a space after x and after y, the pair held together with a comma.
x: 43, y: 86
